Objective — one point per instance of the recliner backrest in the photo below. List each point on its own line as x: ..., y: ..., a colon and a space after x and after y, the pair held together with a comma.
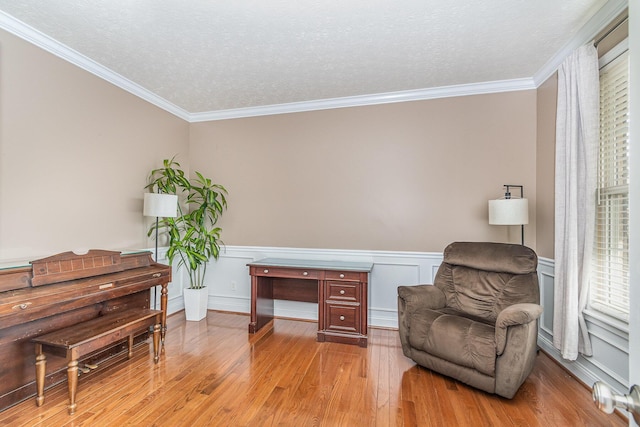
x: 483, y: 278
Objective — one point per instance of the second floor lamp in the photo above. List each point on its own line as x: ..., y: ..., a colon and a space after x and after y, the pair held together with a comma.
x: 510, y: 211
x: 160, y: 205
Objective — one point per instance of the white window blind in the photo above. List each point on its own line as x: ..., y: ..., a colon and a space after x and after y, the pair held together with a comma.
x: 609, y: 290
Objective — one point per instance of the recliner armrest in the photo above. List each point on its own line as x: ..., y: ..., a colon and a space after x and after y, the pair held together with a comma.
x: 517, y: 314
x: 421, y: 296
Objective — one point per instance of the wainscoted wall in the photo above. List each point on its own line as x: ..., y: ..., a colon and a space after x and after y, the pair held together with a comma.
x: 230, y: 290
x: 230, y: 285
x: 610, y: 339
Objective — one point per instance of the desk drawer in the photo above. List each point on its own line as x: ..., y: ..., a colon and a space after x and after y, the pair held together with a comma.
x: 343, y: 318
x: 343, y: 291
x: 285, y: 273
x: 343, y: 275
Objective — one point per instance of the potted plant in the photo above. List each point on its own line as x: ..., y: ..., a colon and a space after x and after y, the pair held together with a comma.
x: 194, y: 237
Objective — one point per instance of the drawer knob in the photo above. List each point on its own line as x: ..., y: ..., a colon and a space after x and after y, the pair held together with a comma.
x: 341, y: 317
x: 341, y: 276
x: 22, y: 306
x: 305, y: 273
x: 266, y: 271
x: 156, y: 275
x: 341, y: 291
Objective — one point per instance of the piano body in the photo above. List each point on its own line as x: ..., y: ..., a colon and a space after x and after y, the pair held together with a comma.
x: 60, y: 291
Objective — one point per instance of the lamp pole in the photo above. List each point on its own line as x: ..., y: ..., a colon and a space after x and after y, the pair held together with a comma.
x: 507, y: 195
x: 159, y: 205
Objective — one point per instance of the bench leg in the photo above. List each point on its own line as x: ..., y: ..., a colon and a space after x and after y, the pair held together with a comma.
x: 41, y: 364
x: 130, y: 355
x: 156, y: 342
x: 72, y: 379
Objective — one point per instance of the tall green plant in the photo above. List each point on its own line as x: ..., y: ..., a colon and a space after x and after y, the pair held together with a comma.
x: 193, y: 235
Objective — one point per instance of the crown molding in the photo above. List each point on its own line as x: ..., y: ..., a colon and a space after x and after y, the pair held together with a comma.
x: 35, y: 37
x: 587, y: 33
x: 364, y: 100
x: 602, y: 18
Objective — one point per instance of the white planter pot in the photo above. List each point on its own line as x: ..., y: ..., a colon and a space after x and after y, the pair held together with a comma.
x: 195, y: 303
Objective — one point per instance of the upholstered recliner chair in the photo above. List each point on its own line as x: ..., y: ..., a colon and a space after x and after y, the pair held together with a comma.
x: 478, y: 322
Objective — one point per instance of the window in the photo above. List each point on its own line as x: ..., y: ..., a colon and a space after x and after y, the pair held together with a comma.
x: 609, y: 290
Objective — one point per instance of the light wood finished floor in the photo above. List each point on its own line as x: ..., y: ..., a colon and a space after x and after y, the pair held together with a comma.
x: 214, y: 374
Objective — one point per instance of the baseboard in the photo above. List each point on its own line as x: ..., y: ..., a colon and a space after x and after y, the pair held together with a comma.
x: 575, y: 368
x: 230, y: 304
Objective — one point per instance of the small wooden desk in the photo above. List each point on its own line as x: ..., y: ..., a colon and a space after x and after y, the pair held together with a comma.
x: 339, y: 288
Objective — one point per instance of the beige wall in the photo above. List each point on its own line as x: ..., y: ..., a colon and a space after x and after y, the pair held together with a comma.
x: 545, y: 166
x: 408, y: 177
x: 75, y: 152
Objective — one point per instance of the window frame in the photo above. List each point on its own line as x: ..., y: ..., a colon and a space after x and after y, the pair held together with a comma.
x: 597, y: 307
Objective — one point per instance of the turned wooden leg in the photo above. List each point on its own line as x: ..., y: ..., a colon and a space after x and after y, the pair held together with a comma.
x: 41, y: 364
x: 156, y: 342
x: 163, y: 306
x: 130, y: 355
x: 72, y: 379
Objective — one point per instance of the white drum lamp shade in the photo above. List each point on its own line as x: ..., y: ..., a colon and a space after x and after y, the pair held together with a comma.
x: 509, y: 212
x: 160, y: 205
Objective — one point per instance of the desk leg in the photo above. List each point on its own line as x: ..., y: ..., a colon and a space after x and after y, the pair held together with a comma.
x: 261, y: 302
x: 72, y: 379
x: 41, y: 364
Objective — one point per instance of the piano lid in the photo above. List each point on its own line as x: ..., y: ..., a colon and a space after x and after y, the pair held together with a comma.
x: 69, y: 266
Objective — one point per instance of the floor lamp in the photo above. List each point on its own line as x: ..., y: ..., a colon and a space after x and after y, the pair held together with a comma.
x: 160, y: 205
x: 510, y: 211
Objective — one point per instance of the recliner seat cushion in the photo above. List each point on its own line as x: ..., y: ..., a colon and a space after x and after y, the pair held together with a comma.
x: 454, y: 337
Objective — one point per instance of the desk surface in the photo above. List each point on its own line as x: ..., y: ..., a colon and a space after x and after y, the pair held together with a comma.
x: 313, y: 264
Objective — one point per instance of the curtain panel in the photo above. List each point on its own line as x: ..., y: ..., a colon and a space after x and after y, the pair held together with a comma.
x: 577, y: 140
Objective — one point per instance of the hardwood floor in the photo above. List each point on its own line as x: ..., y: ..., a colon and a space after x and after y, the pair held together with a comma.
x: 214, y: 374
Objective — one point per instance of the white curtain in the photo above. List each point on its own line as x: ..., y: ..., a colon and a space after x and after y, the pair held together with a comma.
x: 577, y: 140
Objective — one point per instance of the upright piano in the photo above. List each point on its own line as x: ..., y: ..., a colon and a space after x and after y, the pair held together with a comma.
x: 63, y: 290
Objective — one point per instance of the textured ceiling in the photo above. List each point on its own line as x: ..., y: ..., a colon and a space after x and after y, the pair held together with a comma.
x: 213, y: 55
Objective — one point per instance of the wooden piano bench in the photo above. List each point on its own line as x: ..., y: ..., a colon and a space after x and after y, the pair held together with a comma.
x: 84, y: 338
